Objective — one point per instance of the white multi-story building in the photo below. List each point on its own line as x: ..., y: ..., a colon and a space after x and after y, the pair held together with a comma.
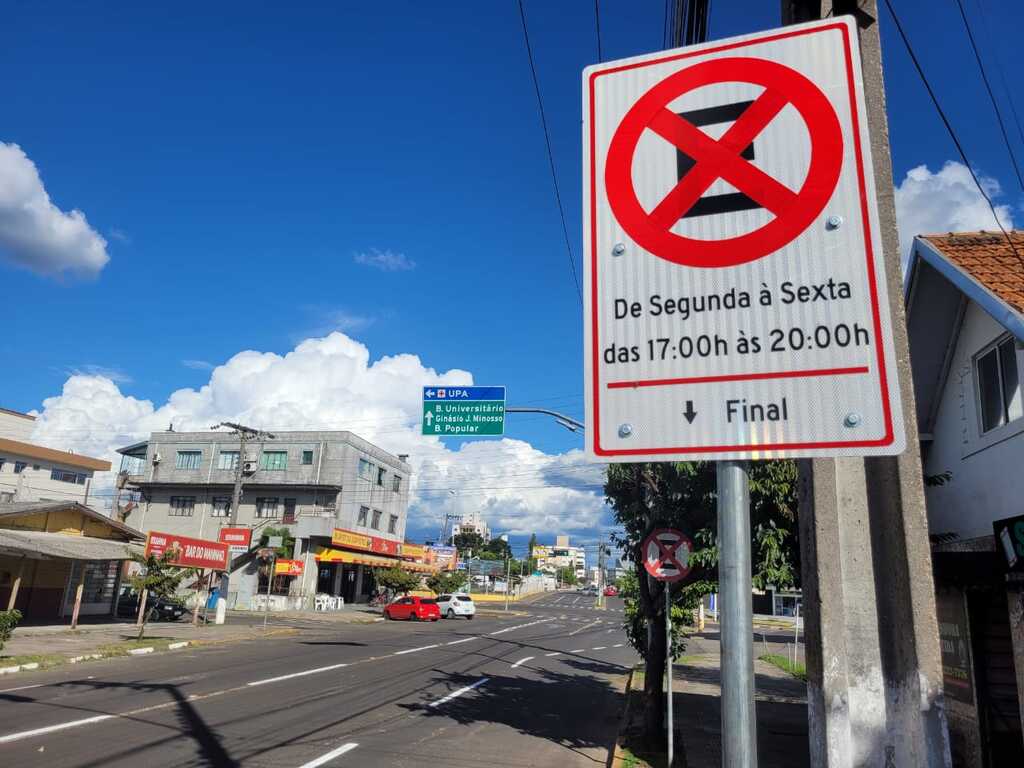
x: 473, y: 522
x: 30, y: 472
x: 344, y: 499
x: 561, y: 555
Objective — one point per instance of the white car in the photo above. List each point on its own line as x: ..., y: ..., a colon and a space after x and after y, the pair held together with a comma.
x: 456, y: 605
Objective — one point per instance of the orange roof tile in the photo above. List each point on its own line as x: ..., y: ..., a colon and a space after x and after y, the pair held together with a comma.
x: 988, y: 258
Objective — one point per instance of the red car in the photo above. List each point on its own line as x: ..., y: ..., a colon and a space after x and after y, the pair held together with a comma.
x: 413, y: 609
x: 610, y: 592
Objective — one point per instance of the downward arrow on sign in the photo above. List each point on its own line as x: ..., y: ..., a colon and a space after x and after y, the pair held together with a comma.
x: 689, y: 413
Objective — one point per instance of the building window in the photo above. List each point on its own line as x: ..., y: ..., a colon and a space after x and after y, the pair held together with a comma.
x: 364, y: 513
x: 289, y: 511
x: 64, y: 476
x: 227, y: 460
x: 381, y: 472
x: 266, y: 506
x: 376, y: 520
x: 2, y: 462
x: 366, y: 469
x: 396, y: 483
x: 998, y: 385
x: 307, y: 458
x: 19, y: 467
x: 182, y: 506
x: 221, y: 506
x: 188, y: 460
x: 274, y: 460
x: 393, y: 524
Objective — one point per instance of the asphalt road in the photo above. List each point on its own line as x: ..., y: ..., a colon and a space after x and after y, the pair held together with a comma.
x: 542, y: 689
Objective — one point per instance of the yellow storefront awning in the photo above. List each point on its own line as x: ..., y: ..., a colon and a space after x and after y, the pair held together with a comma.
x: 331, y: 555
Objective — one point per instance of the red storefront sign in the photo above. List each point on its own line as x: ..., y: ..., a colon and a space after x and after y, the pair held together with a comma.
x: 235, y: 537
x: 288, y: 568
x: 188, y: 552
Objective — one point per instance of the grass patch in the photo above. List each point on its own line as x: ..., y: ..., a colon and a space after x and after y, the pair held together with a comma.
x: 42, y: 659
x: 629, y: 760
x: 798, y: 670
x: 121, y: 649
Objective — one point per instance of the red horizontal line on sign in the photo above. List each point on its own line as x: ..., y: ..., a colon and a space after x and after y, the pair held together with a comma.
x: 738, y: 377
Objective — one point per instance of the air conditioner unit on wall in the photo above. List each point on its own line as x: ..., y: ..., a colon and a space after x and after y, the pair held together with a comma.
x: 248, y: 467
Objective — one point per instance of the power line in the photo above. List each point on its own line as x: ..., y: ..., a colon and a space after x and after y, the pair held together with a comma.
x: 551, y: 156
x: 1002, y: 73
x: 949, y: 129
x: 597, y: 25
x: 991, y: 96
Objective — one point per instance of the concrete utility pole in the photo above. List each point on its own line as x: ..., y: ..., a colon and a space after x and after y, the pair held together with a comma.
x: 874, y: 673
x: 245, y: 434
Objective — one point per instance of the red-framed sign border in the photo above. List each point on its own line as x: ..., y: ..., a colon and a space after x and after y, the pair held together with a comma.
x: 889, y: 437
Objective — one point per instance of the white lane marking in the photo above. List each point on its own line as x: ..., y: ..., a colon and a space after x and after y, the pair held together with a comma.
x: 522, y: 661
x: 610, y: 631
x: 330, y: 756
x: 599, y: 648
x: 577, y: 650
x: 556, y: 653
x: 577, y: 631
x: 296, y: 674
x: 464, y: 640
x: 22, y: 688
x: 51, y: 728
x: 459, y: 692
x: 520, y: 626
x: 617, y: 645
x: 413, y: 650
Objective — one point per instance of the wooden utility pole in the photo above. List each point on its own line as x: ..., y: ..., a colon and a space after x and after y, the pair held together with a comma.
x: 874, y: 672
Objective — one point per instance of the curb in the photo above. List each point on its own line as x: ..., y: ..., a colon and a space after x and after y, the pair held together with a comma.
x: 618, y: 757
x: 29, y: 667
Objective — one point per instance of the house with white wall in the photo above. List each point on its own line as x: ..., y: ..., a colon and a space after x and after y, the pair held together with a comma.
x: 965, y: 323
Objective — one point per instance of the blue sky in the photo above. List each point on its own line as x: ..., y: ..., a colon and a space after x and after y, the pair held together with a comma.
x: 238, y: 158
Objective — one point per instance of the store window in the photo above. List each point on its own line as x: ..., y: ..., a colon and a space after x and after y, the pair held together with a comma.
x: 221, y: 506
x: 266, y: 506
x: 182, y: 506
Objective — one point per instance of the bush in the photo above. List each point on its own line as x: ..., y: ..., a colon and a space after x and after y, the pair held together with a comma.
x: 8, y: 621
x: 446, y: 581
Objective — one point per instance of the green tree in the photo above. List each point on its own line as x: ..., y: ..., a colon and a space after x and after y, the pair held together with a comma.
x: 468, y: 541
x: 567, y: 576
x: 284, y: 552
x: 446, y: 582
x: 498, y: 547
x: 683, y: 496
x: 160, y: 579
x: 530, y: 559
x: 8, y: 621
x: 396, y: 579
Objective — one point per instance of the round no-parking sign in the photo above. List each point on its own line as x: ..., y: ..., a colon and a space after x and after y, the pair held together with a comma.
x: 721, y: 159
x: 666, y: 554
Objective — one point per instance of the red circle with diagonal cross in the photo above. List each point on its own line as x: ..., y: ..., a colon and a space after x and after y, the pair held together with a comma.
x: 666, y: 553
x: 714, y: 159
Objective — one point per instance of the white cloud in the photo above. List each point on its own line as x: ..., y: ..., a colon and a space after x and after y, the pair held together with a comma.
x: 385, y: 261
x: 198, y: 365
x: 107, y: 372
x: 331, y: 383
x: 36, y: 234
x: 947, y: 201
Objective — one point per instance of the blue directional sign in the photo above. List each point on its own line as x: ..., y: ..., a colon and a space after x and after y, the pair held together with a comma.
x: 463, y: 411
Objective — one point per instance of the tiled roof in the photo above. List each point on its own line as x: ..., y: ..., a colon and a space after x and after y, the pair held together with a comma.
x: 988, y: 258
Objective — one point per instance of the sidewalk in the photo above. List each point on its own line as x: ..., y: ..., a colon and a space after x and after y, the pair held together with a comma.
x: 780, y: 703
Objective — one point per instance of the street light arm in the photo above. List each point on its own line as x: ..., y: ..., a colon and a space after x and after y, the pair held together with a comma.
x: 567, y: 421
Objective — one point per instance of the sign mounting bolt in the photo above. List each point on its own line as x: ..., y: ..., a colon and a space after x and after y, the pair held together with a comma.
x: 625, y: 430
x: 618, y: 249
x: 835, y: 222
x: 852, y: 420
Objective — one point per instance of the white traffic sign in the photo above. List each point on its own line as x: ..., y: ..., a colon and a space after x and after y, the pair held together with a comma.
x: 736, y: 303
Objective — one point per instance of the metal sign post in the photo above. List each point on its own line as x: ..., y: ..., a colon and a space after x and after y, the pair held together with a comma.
x: 739, y: 735
x: 667, y: 558
x: 668, y: 668
x: 270, y: 580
